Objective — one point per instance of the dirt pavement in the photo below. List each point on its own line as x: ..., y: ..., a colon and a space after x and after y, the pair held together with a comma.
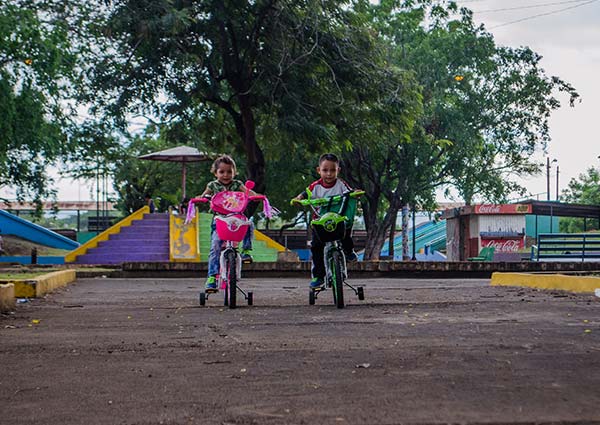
x: 141, y: 351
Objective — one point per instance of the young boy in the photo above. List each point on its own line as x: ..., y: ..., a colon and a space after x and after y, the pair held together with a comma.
x: 225, y: 171
x: 328, y: 185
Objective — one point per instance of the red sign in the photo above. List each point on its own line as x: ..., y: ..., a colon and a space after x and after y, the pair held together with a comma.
x: 502, y: 209
x: 504, y: 245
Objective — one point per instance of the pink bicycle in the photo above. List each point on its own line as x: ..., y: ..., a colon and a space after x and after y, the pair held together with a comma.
x: 231, y: 227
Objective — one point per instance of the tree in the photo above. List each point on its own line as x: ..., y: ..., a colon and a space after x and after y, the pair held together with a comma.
x: 585, y: 189
x: 37, y: 61
x: 253, y: 60
x: 485, y: 111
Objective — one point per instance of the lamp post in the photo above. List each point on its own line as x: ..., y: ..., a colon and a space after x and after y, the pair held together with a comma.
x: 548, y: 176
x: 557, y: 173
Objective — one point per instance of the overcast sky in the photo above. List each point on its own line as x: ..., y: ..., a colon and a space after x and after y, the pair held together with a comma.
x: 569, y: 41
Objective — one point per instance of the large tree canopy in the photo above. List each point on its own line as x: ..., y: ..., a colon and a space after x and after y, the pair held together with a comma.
x: 585, y: 189
x: 413, y: 94
x: 294, y: 61
x: 37, y: 61
x: 485, y: 110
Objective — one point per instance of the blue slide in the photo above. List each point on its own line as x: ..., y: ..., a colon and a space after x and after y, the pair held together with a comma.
x: 10, y: 224
x: 430, y: 237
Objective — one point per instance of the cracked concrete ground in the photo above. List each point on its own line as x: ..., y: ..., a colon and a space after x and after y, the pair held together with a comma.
x: 141, y: 351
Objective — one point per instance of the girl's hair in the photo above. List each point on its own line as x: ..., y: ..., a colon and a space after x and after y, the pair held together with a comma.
x: 223, y: 159
x: 329, y: 157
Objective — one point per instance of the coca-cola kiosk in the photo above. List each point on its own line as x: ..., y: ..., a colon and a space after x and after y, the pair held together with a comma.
x: 473, y: 227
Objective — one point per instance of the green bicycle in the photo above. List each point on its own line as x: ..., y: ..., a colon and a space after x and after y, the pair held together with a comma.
x: 333, y: 216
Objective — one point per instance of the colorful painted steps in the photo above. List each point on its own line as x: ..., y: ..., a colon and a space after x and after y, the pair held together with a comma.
x: 147, y: 240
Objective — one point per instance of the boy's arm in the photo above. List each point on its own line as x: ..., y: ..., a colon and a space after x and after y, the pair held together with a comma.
x: 301, y: 196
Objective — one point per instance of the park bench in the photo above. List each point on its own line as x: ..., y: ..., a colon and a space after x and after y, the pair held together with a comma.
x: 486, y: 254
x: 566, y: 246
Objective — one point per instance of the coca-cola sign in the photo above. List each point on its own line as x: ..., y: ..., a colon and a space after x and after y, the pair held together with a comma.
x: 504, y: 245
x: 502, y: 209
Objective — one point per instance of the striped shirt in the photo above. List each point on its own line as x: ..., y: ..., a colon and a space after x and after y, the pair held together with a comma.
x: 216, y: 186
x: 320, y: 190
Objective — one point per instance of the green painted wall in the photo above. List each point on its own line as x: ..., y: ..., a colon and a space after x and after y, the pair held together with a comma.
x: 545, y: 224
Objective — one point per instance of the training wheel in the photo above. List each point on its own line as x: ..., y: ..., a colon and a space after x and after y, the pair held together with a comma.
x: 202, y: 298
x: 250, y: 298
x: 361, y: 293
x: 311, y: 297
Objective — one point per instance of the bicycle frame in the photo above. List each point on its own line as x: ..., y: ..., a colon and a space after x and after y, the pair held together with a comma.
x: 330, y: 230
x: 231, y: 226
x: 330, y: 247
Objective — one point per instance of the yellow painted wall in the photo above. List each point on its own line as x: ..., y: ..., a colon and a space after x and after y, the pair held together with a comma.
x: 42, y: 285
x: 7, y: 297
x: 259, y: 236
x: 547, y: 281
x: 183, y: 239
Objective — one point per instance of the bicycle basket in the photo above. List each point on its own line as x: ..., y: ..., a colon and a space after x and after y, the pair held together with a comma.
x: 229, y: 202
x: 329, y: 227
x: 345, y: 206
x: 232, y: 227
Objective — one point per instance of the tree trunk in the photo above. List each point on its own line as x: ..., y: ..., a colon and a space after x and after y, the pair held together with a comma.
x: 377, y: 231
x: 405, y: 255
x: 392, y: 238
x: 377, y: 236
x: 255, y: 160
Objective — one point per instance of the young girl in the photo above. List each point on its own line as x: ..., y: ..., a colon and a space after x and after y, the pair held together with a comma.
x: 225, y: 171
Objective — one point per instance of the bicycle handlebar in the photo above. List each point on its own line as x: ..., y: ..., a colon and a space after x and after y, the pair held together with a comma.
x: 205, y: 199
x: 324, y: 201
x: 200, y: 200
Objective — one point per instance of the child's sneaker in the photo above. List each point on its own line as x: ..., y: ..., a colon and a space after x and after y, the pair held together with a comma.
x: 316, y: 283
x: 211, y: 283
x: 246, y: 257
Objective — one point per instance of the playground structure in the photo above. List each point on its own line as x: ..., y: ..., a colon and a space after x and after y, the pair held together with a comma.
x: 429, y: 237
x: 165, y: 238
x: 11, y: 224
x: 160, y: 237
x: 140, y: 237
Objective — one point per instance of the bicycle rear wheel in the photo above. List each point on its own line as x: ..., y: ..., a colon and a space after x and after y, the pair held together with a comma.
x: 231, y: 289
x: 338, y: 279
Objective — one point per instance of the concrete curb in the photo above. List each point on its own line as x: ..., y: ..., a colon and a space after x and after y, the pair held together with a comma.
x: 7, y: 297
x: 397, y: 269
x: 34, y: 288
x: 547, y: 281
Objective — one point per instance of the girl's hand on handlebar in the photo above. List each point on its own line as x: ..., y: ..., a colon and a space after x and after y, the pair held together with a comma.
x: 200, y: 199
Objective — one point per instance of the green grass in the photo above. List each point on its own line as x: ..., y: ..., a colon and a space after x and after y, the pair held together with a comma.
x: 26, y: 273
x: 21, y: 276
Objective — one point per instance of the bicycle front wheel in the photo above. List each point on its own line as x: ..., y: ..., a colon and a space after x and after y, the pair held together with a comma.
x: 231, y: 289
x: 338, y: 279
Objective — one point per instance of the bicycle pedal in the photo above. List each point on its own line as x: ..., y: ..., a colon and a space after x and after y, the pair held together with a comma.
x: 248, y: 261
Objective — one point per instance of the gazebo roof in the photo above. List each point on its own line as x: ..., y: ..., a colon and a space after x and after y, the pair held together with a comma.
x: 178, y: 154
